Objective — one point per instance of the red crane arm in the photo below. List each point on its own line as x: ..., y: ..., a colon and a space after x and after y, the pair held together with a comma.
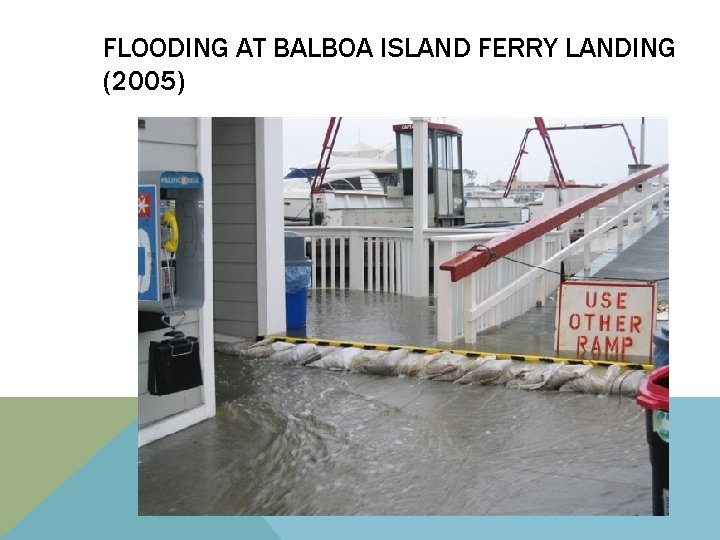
x: 327, y: 148
x: 543, y: 129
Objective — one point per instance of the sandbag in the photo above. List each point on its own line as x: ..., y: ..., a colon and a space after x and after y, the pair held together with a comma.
x: 337, y: 360
x: 299, y: 355
x: 445, y: 363
x: 462, y: 367
x: 264, y: 348
x: 534, y: 378
x: 596, y: 381
x: 386, y: 364
x: 359, y: 361
x: 516, y: 370
x: 235, y: 348
x: 413, y: 364
x: 324, y: 350
x: 627, y: 383
x: 486, y: 372
x: 470, y: 364
x: 564, y: 374
x: 319, y: 352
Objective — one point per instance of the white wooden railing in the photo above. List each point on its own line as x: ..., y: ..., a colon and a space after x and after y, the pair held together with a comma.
x: 360, y: 258
x: 503, y: 275
x: 373, y: 258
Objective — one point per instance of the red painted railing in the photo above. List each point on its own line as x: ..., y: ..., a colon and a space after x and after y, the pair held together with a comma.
x: 473, y: 260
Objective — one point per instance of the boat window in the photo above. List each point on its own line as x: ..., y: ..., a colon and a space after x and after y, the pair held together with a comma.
x: 345, y: 184
x: 406, y: 146
x: 406, y: 151
x: 354, y: 183
x: 453, y: 154
x: 448, y: 151
x: 442, y: 152
x: 301, y: 173
x: 387, y: 179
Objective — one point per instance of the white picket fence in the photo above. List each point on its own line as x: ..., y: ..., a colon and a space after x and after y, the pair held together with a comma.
x: 360, y: 258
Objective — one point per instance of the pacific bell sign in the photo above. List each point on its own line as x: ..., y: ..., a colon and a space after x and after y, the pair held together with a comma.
x: 606, y: 320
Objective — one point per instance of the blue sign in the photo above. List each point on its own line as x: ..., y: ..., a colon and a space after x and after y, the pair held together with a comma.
x: 148, y: 278
x: 180, y: 180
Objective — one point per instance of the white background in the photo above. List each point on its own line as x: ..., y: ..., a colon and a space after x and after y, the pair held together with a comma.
x: 69, y: 151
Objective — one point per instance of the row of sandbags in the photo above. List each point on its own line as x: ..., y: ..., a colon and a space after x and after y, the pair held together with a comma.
x: 447, y: 366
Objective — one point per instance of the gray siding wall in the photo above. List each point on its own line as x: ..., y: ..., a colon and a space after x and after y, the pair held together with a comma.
x: 166, y: 144
x: 234, y: 228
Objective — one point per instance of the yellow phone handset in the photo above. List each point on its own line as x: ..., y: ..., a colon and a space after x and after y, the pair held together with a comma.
x: 172, y: 244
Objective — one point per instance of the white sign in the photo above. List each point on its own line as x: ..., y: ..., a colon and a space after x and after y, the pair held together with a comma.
x: 606, y: 320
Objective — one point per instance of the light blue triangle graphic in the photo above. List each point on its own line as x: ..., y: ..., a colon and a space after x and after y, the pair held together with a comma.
x: 101, y: 501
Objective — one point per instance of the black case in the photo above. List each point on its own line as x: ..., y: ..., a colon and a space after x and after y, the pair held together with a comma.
x: 174, y: 364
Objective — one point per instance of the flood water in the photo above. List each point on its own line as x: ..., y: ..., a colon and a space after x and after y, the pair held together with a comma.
x: 291, y: 440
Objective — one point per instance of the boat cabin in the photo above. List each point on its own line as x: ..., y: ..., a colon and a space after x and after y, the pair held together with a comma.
x: 445, y: 176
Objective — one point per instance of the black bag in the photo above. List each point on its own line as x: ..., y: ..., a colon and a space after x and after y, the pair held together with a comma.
x: 174, y: 364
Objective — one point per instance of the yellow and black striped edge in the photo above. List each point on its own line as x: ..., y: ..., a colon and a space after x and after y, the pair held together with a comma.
x: 469, y: 354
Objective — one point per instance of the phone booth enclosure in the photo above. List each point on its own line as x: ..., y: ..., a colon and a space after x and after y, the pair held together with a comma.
x: 170, y: 241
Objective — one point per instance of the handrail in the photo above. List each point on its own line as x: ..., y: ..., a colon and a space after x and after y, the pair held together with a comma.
x: 479, y: 257
x: 400, y: 232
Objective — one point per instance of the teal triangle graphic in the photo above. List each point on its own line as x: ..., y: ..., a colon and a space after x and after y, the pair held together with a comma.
x: 100, y: 501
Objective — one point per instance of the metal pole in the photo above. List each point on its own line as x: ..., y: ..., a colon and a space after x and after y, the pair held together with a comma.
x: 642, y: 140
x: 419, y: 280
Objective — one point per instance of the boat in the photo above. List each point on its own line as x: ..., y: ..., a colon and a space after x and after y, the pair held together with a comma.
x: 373, y: 186
x: 357, y: 178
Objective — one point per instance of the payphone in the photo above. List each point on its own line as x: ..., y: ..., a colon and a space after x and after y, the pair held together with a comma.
x: 170, y: 241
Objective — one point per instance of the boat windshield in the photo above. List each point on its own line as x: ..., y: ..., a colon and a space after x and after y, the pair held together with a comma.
x: 351, y: 184
x: 301, y: 173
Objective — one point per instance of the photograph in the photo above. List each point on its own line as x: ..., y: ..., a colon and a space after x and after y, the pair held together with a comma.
x: 397, y: 327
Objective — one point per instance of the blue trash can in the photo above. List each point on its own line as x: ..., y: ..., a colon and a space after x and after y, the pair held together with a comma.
x: 661, y: 350
x: 298, y: 270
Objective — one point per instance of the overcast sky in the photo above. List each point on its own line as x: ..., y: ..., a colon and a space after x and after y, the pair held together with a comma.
x: 491, y: 144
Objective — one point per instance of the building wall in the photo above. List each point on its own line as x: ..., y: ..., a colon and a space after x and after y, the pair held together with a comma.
x: 166, y: 144
x: 241, y: 162
x: 234, y: 227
